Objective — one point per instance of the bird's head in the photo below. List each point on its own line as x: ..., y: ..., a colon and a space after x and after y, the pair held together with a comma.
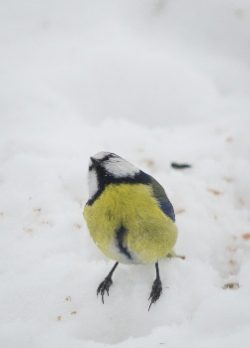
x: 107, y: 167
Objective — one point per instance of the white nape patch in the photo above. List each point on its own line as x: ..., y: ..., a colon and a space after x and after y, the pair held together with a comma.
x: 93, y: 183
x: 101, y: 155
x: 117, y: 165
x: 120, y: 168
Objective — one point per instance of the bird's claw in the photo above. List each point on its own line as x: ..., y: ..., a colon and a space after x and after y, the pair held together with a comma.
x: 104, y: 286
x: 155, y: 292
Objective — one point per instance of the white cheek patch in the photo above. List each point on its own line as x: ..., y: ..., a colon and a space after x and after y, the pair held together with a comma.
x: 93, y: 183
x: 120, y: 168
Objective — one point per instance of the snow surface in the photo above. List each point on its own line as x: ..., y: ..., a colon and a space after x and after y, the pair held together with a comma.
x: 154, y: 82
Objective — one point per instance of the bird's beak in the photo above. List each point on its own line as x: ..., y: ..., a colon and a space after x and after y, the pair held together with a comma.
x: 96, y: 163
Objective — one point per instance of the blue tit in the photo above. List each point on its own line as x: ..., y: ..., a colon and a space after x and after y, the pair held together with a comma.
x: 129, y: 216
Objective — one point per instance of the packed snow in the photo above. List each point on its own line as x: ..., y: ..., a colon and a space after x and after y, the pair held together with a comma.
x: 155, y: 82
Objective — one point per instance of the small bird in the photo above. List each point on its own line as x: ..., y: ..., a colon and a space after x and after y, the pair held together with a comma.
x: 129, y: 216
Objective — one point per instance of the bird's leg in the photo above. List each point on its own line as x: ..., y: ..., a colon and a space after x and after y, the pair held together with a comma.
x: 156, y: 287
x: 105, y: 285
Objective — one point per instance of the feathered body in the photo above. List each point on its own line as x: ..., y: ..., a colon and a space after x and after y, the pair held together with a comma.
x: 129, y: 215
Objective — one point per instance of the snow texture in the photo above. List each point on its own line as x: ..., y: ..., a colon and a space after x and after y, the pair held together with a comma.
x: 155, y: 82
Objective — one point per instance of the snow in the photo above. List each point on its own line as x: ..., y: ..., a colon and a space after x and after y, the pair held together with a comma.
x: 155, y: 82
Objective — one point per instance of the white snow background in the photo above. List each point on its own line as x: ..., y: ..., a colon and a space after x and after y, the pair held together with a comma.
x: 155, y: 82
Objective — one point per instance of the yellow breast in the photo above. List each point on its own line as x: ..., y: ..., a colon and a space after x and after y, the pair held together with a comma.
x: 127, y: 224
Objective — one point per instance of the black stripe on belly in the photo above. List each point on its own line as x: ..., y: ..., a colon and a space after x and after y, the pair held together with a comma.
x: 120, y: 240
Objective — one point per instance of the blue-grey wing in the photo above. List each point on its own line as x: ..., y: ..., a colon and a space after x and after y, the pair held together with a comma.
x: 162, y: 199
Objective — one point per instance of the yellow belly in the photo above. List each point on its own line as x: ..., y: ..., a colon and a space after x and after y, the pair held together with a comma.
x: 150, y: 234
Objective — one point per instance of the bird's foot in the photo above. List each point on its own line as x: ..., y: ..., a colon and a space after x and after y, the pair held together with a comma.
x: 155, y: 292
x: 104, y: 286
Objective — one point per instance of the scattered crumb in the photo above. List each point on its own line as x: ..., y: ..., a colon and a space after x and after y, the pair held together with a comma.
x: 1, y: 213
x: 59, y: 318
x: 29, y: 230
x: 45, y: 222
x: 74, y: 312
x: 150, y: 162
x: 231, y: 286
x: 215, y: 217
x: 68, y: 298
x: 232, y: 249
x: 180, y: 211
x: 229, y: 139
x: 181, y: 257
x: 215, y: 192
x: 246, y: 236
x: 180, y: 165
x: 78, y: 226
x: 228, y: 179
x: 37, y: 210
x: 241, y: 201
x: 232, y: 262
